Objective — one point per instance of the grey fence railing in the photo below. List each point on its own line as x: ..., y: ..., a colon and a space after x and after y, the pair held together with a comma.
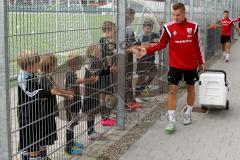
x: 67, y: 76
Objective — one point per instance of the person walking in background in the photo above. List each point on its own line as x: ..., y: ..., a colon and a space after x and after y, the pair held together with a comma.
x: 226, y: 24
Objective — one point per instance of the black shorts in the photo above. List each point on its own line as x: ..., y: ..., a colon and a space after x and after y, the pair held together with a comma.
x: 74, y: 105
x: 225, y: 39
x: 175, y: 75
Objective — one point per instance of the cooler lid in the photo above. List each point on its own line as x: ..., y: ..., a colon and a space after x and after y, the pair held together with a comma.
x: 212, y: 75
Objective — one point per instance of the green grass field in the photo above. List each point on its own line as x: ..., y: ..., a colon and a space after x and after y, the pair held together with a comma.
x: 45, y: 32
x: 41, y: 31
x: 52, y: 33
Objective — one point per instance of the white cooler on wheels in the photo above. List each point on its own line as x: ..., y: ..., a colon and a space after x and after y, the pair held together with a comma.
x: 213, y: 89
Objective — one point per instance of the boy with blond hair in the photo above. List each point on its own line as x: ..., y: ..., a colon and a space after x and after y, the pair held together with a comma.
x: 47, y: 66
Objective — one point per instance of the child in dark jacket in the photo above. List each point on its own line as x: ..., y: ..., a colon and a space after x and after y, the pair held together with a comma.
x: 48, y: 65
x: 30, y: 107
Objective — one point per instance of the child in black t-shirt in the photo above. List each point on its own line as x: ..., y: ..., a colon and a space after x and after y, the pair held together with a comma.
x: 47, y: 66
x: 109, y: 60
x: 73, y: 106
x: 146, y: 67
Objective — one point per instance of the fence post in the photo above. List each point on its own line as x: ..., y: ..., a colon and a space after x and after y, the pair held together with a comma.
x: 121, y: 7
x: 5, y: 140
x: 192, y: 9
x: 168, y: 15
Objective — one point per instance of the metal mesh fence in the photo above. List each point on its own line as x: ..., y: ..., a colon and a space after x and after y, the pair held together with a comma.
x: 61, y: 90
x: 64, y: 72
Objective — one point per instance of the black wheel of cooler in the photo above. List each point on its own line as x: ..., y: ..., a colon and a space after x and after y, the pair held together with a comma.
x: 227, y: 105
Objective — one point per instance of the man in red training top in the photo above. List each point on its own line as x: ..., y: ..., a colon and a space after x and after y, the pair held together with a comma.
x: 226, y: 23
x: 185, y: 57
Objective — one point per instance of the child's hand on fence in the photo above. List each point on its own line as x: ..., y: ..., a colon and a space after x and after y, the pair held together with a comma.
x: 80, y: 81
x: 68, y: 94
x: 109, y: 60
x: 131, y: 50
x: 61, y: 92
x: 114, y: 51
x: 114, y: 69
x: 69, y: 91
x: 94, y: 79
x: 55, y: 90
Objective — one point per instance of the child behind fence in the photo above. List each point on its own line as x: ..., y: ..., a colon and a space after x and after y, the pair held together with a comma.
x: 48, y: 65
x: 30, y: 107
x: 130, y: 41
x: 109, y: 60
x: 73, y: 106
x: 146, y: 67
x: 92, y: 90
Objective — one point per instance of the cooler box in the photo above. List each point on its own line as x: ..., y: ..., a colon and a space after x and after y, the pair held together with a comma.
x: 213, y: 89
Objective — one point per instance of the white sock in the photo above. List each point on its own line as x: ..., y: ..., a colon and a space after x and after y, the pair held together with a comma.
x: 227, y: 56
x: 189, y: 109
x: 171, y: 116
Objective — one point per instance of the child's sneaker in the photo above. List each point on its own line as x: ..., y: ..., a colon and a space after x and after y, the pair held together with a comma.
x: 94, y: 136
x: 73, y: 151
x: 139, y: 100
x: 145, y: 99
x: 139, y: 89
x: 108, y: 122
x: 146, y: 91
x: 134, y: 105
x: 78, y: 145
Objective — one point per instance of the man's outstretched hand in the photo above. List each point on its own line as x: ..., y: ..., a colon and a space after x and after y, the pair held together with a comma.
x: 139, y: 51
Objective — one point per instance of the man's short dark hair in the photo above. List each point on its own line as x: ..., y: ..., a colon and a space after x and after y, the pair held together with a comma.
x: 177, y: 6
x: 226, y: 11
